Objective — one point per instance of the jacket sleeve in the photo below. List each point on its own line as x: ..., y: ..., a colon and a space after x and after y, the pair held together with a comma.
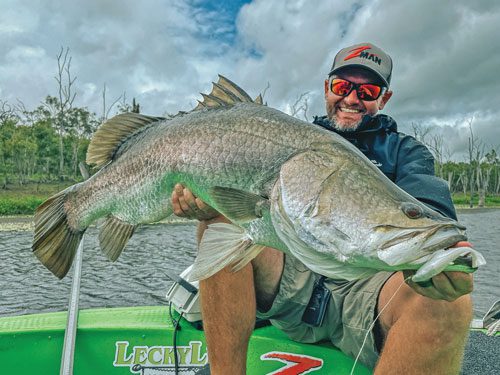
x: 415, y: 175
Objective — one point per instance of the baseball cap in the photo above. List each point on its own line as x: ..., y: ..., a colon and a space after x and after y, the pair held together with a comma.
x: 365, y: 55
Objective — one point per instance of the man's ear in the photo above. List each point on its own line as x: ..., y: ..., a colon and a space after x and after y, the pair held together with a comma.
x: 326, y: 87
x: 385, y: 98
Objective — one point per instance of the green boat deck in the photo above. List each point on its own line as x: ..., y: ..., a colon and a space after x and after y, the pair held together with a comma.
x: 140, y: 340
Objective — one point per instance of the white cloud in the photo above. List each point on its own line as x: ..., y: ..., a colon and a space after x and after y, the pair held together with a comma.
x: 164, y: 52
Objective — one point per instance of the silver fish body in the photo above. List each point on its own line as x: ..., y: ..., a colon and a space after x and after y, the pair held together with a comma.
x: 282, y: 182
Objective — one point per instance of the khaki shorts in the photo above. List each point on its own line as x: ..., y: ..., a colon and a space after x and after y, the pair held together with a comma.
x: 349, y: 314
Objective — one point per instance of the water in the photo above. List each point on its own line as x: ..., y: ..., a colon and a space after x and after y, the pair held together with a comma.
x: 139, y: 277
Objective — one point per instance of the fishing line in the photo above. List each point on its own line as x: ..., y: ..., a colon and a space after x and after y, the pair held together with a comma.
x: 373, y: 323
x: 177, y: 327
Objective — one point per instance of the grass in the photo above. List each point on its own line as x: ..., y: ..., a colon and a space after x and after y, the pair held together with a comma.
x: 23, y: 199
x: 461, y: 200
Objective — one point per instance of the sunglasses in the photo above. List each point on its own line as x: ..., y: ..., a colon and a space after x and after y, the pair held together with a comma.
x: 365, y: 91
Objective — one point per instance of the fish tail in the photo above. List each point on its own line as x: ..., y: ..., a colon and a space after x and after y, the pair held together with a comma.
x: 55, y: 241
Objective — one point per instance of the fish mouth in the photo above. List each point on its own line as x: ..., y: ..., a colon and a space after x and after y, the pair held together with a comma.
x: 428, y: 249
x: 432, y: 237
x: 415, y: 245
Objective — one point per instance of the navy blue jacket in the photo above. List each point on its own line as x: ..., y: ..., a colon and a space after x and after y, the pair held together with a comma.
x: 406, y: 161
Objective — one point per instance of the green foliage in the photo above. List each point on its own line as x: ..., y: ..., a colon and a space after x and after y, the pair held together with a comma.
x: 19, y: 206
x: 22, y: 200
x: 463, y: 200
x: 30, y: 143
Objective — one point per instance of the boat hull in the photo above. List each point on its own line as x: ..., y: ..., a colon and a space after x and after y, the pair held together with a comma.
x: 139, y: 340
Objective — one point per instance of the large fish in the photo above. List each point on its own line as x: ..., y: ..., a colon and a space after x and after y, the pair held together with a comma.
x: 282, y: 182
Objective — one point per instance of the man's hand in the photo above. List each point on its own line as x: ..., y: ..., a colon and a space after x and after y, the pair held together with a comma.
x: 446, y: 285
x: 185, y: 204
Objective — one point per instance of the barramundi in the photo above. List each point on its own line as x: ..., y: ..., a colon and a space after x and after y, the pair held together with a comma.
x: 282, y: 182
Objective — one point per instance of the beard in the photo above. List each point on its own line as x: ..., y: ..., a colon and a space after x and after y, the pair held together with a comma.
x: 342, y: 124
x: 350, y: 127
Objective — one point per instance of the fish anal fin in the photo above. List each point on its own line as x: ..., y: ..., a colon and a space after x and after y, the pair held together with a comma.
x: 113, y: 237
x: 110, y: 135
x: 238, y: 205
x: 222, y: 245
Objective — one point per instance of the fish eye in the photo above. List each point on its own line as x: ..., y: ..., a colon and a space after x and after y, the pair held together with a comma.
x: 412, y: 210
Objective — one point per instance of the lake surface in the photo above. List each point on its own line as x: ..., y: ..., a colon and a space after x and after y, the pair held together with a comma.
x: 139, y: 276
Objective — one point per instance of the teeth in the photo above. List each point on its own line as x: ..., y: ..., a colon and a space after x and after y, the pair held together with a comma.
x: 348, y: 110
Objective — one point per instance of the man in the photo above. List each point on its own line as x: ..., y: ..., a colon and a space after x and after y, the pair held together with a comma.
x: 424, y: 328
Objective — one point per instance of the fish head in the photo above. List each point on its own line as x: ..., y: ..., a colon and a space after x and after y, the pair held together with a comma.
x: 360, y: 218
x: 411, y: 232
x: 384, y: 231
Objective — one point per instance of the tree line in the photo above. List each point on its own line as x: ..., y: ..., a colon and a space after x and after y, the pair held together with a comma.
x: 477, y: 176
x: 48, y: 144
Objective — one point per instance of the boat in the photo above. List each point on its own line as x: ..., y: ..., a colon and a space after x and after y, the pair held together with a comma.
x: 151, y: 340
x: 142, y: 340
x: 160, y: 340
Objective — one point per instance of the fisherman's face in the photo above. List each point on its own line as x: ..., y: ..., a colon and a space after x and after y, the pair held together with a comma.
x: 346, y: 113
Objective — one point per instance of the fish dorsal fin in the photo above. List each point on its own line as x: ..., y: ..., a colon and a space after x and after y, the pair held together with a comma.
x: 225, y: 93
x: 110, y: 135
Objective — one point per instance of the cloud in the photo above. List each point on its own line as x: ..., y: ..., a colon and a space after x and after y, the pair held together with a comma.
x: 445, y: 55
x: 164, y: 52
x: 153, y: 50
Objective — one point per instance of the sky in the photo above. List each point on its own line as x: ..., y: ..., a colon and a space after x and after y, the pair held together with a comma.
x: 163, y: 53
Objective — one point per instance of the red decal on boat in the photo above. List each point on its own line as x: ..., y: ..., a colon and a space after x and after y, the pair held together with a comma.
x: 295, y: 364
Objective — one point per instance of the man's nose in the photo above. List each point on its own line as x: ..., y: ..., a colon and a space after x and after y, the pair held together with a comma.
x: 352, y: 98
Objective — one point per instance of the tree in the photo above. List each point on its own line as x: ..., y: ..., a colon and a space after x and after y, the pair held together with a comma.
x: 124, y: 106
x: 420, y: 132
x: 7, y: 129
x: 107, y: 110
x: 23, y: 149
x: 301, y: 106
x: 82, y: 125
x: 7, y: 112
x: 476, y: 175
x: 47, y: 145
x: 66, y: 97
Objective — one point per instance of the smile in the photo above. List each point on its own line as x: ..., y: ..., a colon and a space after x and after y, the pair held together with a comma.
x: 349, y: 110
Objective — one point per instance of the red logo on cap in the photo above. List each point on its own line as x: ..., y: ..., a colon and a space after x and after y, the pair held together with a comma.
x: 356, y: 52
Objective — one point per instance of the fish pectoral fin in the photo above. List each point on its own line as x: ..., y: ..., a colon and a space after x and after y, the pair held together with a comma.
x: 222, y: 245
x: 238, y: 205
x: 113, y: 237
